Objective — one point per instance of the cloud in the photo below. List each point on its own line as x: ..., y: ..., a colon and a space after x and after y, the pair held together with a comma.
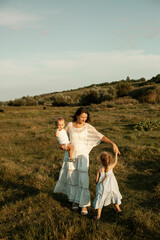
x: 127, y: 18
x: 15, y: 18
x: 15, y: 28
x: 45, y: 32
x: 70, y: 70
x: 154, y: 35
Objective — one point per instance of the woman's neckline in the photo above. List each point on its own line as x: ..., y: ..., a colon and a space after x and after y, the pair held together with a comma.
x: 78, y: 127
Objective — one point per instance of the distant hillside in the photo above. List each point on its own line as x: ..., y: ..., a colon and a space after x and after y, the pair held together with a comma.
x: 142, y: 90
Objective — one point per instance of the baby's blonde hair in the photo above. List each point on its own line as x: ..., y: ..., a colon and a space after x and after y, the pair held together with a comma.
x: 105, y: 159
x: 59, y: 119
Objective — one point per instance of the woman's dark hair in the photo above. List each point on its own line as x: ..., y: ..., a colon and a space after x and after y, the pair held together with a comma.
x: 79, y: 112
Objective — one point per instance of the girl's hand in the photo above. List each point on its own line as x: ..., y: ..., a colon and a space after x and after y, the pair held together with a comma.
x: 115, y: 149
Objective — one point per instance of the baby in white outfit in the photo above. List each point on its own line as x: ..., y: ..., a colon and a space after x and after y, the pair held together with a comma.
x: 62, y: 137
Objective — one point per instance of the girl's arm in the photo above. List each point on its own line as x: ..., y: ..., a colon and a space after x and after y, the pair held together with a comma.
x: 115, y: 161
x: 108, y: 141
x: 97, y: 177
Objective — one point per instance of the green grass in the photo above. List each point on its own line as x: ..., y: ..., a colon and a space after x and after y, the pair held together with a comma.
x: 30, y: 161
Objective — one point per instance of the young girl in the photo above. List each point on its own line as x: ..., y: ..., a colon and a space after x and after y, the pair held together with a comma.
x: 107, y: 190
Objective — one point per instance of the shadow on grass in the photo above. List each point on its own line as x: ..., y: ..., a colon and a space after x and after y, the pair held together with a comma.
x: 62, y: 199
x: 146, y: 182
x: 19, y: 191
x: 135, y: 230
x: 109, y: 215
x: 142, y: 181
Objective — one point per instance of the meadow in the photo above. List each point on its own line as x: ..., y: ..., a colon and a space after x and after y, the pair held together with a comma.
x: 30, y: 161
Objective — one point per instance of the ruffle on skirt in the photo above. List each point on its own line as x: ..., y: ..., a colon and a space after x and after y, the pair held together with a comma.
x: 74, y: 181
x: 106, y: 199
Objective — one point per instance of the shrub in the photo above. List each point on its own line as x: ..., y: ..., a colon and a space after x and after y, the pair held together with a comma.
x: 147, y: 125
x: 150, y: 94
x: 91, y: 96
x: 155, y: 79
x: 16, y: 102
x: 24, y: 101
x: 60, y: 100
x: 123, y: 88
x: 30, y: 101
x: 111, y: 93
x: 97, y: 96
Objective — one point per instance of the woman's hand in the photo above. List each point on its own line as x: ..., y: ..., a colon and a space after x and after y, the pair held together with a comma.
x: 115, y: 149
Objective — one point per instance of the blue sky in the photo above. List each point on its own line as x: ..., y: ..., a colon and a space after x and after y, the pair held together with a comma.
x: 57, y: 45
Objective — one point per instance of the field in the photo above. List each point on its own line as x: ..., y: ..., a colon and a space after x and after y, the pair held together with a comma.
x: 30, y: 161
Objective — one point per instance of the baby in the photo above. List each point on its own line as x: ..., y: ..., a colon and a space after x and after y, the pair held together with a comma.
x: 62, y: 137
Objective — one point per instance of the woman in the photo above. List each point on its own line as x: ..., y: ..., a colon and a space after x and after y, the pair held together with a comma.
x: 73, y: 178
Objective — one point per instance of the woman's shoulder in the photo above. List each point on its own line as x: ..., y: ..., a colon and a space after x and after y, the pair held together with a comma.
x: 89, y: 126
x: 69, y: 124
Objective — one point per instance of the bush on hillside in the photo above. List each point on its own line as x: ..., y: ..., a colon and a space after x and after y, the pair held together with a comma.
x: 97, y: 96
x: 155, y: 79
x: 24, y: 101
x: 150, y: 94
x: 123, y: 88
x: 16, y: 102
x: 60, y: 100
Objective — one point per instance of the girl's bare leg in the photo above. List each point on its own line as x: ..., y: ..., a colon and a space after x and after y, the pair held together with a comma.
x: 117, y: 208
x: 99, y: 213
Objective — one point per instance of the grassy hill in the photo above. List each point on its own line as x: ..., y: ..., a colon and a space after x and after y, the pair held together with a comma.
x: 30, y: 161
x: 140, y: 90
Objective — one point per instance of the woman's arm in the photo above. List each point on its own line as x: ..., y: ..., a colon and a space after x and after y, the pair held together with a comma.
x: 108, y: 141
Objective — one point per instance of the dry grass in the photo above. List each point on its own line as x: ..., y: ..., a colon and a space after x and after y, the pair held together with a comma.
x: 30, y: 164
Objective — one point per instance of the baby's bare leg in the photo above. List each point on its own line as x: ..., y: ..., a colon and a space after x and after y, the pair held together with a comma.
x: 70, y: 148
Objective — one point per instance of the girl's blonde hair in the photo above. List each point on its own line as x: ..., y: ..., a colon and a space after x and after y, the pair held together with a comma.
x: 105, y: 159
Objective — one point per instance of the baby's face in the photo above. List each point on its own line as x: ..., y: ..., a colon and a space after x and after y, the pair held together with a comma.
x: 60, y: 125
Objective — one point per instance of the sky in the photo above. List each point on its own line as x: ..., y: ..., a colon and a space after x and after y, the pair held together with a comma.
x: 56, y: 45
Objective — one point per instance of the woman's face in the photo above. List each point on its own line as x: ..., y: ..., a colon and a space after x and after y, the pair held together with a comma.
x: 82, y: 118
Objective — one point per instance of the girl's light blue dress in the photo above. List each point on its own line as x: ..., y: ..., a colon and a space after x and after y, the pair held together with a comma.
x: 107, y: 192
